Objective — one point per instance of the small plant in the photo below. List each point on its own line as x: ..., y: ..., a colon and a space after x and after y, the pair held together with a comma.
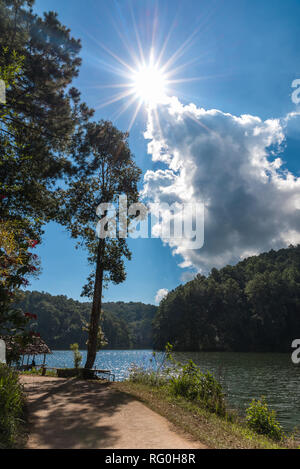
x: 77, y: 355
x: 263, y: 420
x: 194, y: 385
x: 158, y: 373
x: 149, y: 376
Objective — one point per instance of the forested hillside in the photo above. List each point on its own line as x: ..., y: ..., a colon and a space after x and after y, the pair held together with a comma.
x: 252, y: 306
x: 60, y: 321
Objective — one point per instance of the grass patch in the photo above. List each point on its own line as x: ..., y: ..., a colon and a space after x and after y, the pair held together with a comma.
x: 208, y: 428
x: 38, y: 372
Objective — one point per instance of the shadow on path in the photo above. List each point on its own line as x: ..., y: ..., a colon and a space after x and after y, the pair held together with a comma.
x: 72, y: 413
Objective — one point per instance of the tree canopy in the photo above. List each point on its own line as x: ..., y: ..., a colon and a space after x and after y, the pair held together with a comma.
x: 106, y: 171
x: 40, y: 122
x: 60, y: 321
x: 42, y: 116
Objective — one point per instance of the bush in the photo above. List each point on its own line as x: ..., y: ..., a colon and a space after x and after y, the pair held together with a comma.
x: 263, y: 420
x: 11, y: 406
x: 77, y: 355
x: 155, y: 373
x: 146, y: 376
x: 182, y: 380
x: 194, y: 385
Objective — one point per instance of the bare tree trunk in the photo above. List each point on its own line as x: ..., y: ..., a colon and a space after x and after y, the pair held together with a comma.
x: 96, y: 308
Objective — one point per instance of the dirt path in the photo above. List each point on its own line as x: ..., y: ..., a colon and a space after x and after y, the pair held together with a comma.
x: 82, y: 414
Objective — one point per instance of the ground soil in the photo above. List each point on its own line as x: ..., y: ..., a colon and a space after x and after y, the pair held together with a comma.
x: 70, y: 413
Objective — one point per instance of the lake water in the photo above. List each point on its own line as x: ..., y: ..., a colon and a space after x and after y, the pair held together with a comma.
x: 244, y: 375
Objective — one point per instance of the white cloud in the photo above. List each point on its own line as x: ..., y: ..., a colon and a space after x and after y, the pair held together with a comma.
x: 160, y: 295
x: 232, y: 164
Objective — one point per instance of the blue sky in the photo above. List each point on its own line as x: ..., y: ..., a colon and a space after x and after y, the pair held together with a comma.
x: 246, y: 55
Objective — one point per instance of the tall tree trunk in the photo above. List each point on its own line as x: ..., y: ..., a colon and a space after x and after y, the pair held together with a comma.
x: 96, y: 308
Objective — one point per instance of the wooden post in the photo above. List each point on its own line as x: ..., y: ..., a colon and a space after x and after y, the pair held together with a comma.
x: 43, y: 366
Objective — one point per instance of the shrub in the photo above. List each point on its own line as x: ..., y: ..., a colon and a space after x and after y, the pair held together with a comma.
x: 157, y: 372
x: 146, y: 376
x: 77, y: 355
x: 11, y: 406
x: 194, y: 385
x: 182, y: 380
x: 263, y: 420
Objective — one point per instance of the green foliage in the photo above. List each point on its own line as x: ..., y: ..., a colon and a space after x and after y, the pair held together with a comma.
x: 263, y: 420
x: 136, y: 317
x: 11, y: 406
x: 139, y: 374
x: 16, y: 264
x: 194, y: 385
x: 40, y: 122
x: 204, y: 391
x: 207, y: 428
x: 10, y: 71
x: 77, y: 355
x: 39, y: 372
x: 101, y: 339
x: 252, y: 306
x: 39, y: 126
x: 46, y: 136
x: 158, y: 373
x: 61, y: 321
x: 185, y: 380
x: 106, y: 170
x: 16, y: 261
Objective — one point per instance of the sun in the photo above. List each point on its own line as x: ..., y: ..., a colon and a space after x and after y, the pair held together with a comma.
x: 149, y: 84
x: 148, y: 77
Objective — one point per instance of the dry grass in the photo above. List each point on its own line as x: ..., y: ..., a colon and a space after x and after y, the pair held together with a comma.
x: 208, y: 428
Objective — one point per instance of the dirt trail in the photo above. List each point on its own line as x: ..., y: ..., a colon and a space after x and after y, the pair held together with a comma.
x: 82, y: 414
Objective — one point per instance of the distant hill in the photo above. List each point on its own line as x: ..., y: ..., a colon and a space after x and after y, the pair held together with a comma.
x: 125, y: 325
x: 252, y: 306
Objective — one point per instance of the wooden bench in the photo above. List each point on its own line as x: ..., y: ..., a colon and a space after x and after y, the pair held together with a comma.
x: 111, y: 376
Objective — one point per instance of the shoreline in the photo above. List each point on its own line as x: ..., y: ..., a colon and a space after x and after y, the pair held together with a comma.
x: 70, y: 400
x: 204, y: 426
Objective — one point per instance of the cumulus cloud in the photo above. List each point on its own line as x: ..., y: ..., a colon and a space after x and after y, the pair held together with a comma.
x: 160, y: 295
x: 233, y: 165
